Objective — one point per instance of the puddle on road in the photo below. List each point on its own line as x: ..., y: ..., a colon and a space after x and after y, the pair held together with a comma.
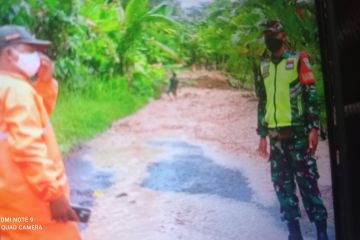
x: 85, y: 179
x: 186, y: 168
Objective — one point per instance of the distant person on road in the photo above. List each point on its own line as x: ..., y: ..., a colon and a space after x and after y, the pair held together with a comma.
x: 173, y: 85
x: 288, y: 113
x: 34, y: 190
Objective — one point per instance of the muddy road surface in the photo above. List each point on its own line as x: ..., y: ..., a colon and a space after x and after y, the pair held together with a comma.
x: 184, y: 169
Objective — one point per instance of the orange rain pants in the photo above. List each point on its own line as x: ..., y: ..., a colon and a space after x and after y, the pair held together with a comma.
x: 31, y: 168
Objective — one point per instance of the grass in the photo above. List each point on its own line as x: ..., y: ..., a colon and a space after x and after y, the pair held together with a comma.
x: 79, y: 116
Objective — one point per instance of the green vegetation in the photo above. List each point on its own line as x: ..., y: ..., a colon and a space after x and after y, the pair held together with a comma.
x: 226, y: 35
x: 113, y: 56
x: 106, y: 56
x: 81, y: 116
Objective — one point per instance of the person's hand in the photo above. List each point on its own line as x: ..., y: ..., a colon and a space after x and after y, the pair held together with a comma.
x: 262, y: 149
x: 45, y: 72
x: 313, y: 141
x: 62, y: 211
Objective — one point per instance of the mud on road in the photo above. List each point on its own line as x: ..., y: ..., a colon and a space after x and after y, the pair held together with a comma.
x: 186, y: 169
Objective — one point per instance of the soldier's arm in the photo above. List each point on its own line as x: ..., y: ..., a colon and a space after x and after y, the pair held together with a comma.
x: 312, y: 110
x: 262, y: 129
x: 312, y: 107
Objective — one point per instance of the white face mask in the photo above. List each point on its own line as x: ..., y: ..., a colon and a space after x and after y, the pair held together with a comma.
x: 29, y: 63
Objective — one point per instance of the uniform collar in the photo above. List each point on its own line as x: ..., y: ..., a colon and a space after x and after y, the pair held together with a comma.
x: 285, y: 55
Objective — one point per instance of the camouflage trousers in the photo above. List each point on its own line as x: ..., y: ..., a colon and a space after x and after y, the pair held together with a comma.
x: 289, y: 162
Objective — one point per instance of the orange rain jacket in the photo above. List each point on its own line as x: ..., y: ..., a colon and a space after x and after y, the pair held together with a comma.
x: 31, y: 168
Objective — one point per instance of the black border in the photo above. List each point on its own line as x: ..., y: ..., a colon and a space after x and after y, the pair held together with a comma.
x: 335, y: 118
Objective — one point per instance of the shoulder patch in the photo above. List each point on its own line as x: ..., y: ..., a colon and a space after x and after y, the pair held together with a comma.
x: 306, y: 75
x: 265, y: 70
x: 306, y: 62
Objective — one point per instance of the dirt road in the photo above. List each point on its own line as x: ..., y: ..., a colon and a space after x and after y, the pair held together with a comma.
x: 184, y: 169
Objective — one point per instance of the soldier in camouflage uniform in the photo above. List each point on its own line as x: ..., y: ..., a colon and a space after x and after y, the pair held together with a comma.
x: 288, y: 113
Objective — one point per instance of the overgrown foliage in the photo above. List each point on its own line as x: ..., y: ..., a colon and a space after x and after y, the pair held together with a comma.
x: 99, y: 39
x: 131, y: 44
x: 226, y: 35
x: 110, y: 38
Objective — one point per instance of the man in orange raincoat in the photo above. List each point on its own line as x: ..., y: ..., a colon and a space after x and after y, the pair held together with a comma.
x: 34, y: 192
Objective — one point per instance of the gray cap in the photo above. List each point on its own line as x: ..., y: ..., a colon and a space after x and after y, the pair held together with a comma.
x: 14, y: 34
